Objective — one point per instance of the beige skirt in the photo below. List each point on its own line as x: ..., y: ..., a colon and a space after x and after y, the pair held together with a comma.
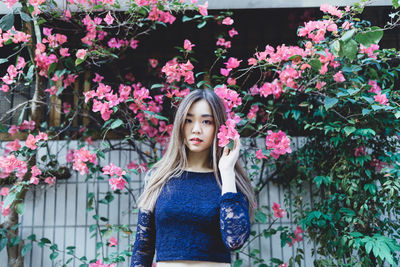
x: 191, y: 264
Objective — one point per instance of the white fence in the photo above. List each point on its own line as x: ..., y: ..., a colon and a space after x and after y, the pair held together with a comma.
x: 59, y: 214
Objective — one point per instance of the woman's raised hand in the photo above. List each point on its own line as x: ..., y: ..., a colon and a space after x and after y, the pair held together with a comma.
x: 229, y: 157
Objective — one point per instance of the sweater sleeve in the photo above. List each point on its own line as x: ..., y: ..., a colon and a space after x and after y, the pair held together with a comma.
x: 144, y: 247
x: 234, y: 220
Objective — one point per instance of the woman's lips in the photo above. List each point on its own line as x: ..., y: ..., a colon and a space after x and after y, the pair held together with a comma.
x: 196, y: 141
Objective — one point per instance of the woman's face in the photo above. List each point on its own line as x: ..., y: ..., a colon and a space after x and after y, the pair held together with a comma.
x: 199, y: 124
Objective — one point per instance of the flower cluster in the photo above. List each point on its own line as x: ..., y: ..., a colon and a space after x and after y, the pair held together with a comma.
x: 81, y: 158
x: 278, y: 142
x: 32, y: 140
x: 12, y: 73
x: 112, y: 170
x: 297, y: 236
x: 278, y: 212
x: 228, y: 131
x: 10, y: 164
x: 174, y: 71
x: 230, y: 97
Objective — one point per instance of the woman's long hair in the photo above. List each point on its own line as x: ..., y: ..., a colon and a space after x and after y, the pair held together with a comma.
x: 175, y: 161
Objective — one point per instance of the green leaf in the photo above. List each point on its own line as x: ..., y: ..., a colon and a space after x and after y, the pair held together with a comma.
x: 395, y: 3
x: 3, y: 243
x: 330, y: 102
x: 10, y: 199
x: 347, y: 35
x: 117, y: 123
x: 20, y: 208
x: 53, y: 255
x: 3, y: 60
x: 7, y: 21
x: 202, y: 24
x: 373, y: 36
x: 32, y: 237
x: 316, y: 64
x: 397, y: 114
x: 349, y: 49
x: 335, y: 48
x: 157, y: 85
x: 260, y: 216
x: 26, y: 249
x: 238, y: 263
x: 45, y: 240
x: 25, y: 17
x: 186, y: 18
x: 349, y: 130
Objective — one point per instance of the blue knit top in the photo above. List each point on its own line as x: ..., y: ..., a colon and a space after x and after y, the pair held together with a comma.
x: 192, y: 221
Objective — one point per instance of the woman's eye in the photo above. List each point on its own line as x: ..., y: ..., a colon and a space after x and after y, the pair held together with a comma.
x: 207, y: 122
x: 187, y: 120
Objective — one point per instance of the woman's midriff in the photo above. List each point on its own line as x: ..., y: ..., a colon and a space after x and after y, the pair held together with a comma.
x: 191, y: 264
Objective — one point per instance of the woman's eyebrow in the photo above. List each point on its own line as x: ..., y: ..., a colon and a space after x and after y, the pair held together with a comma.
x: 202, y: 115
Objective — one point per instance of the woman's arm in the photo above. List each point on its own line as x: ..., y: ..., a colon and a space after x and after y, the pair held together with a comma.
x: 234, y: 220
x: 143, y: 249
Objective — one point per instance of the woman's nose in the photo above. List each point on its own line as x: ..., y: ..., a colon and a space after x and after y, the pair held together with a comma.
x: 196, y: 128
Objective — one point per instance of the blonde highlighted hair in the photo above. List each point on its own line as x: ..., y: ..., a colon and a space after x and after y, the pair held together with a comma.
x: 174, y: 161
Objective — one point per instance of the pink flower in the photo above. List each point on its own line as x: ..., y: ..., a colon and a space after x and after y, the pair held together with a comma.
x: 187, y: 45
x: 227, y: 21
x: 31, y: 142
x: 27, y: 125
x: 231, y: 81
x: 117, y: 183
x: 5, y: 88
x: 21, y: 63
x: 64, y: 52
x: 233, y: 32
x: 5, y: 211
x: 274, y: 88
x: 132, y: 165
x: 225, y: 72
x: 81, y: 53
x: 360, y: 151
x: 153, y: 62
x: 14, y: 145
x: 381, y: 99
x: 338, y: 77
x: 112, y: 242
x: 326, y: 8
x: 10, y: 3
x: 4, y: 191
x: 13, y: 130
x: 66, y: 107
x: 370, y: 51
x: 227, y: 132
x: 283, y: 265
x: 70, y: 155
x: 109, y: 19
x: 34, y: 180
x: 319, y: 85
x: 232, y: 63
x: 51, y: 180
x: 112, y: 170
x: 278, y: 142
x: 278, y: 212
x: 98, y: 78
x: 203, y: 9
x: 260, y: 155
x: 374, y: 87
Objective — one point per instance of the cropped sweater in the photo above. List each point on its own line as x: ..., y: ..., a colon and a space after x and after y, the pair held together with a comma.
x: 191, y: 221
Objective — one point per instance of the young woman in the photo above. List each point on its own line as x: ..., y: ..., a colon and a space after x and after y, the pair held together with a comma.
x: 195, y: 206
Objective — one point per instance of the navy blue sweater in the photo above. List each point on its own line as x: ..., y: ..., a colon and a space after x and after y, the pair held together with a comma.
x: 192, y: 221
